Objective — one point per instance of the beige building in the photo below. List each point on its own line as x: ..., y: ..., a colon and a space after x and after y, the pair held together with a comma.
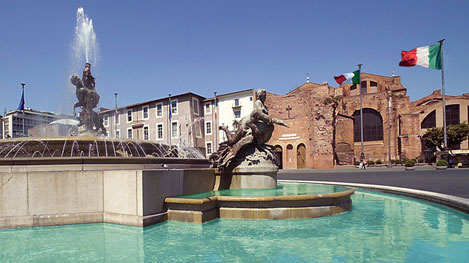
x: 150, y: 120
x: 231, y: 107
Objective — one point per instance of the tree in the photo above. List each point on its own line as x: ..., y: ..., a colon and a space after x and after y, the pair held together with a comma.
x: 455, y: 134
x: 334, y: 102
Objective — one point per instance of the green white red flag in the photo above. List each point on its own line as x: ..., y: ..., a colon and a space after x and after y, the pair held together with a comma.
x: 428, y: 56
x: 354, y: 76
x: 215, y: 107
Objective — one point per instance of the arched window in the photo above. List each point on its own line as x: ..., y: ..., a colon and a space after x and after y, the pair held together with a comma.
x: 278, y: 156
x: 372, y: 125
x: 452, y: 114
x: 429, y: 121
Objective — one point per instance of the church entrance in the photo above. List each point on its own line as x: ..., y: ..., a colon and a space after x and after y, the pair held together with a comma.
x: 301, y: 156
x: 278, y: 156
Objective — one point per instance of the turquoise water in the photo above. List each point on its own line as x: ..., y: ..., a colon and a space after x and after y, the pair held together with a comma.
x: 379, y: 228
x: 282, y: 189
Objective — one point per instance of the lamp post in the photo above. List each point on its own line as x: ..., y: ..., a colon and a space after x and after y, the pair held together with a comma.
x: 169, y: 119
x: 389, y: 93
x: 215, y: 126
x: 22, y: 98
x: 116, y: 115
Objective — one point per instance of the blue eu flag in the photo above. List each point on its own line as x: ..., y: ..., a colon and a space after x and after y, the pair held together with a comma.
x: 21, y: 106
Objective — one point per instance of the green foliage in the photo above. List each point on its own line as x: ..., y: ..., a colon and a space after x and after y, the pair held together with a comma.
x: 357, y: 162
x: 398, y: 161
x: 371, y: 162
x: 420, y: 159
x: 410, y: 163
x: 334, y: 100
x: 455, y: 135
x: 441, y: 163
x: 379, y: 161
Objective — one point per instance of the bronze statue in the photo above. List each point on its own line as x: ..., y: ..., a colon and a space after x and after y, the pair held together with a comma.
x: 88, y: 99
x: 251, y: 131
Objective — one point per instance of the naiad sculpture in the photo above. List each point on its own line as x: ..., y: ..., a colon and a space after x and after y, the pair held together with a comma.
x: 248, y: 141
x: 88, y: 99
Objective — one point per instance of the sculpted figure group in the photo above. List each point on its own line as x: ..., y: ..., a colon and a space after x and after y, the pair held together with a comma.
x: 251, y: 133
x: 88, y: 99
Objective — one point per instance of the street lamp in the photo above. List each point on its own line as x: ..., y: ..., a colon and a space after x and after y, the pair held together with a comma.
x: 116, y: 115
x: 22, y: 104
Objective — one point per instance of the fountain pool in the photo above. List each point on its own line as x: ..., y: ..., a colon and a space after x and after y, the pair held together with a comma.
x: 379, y: 228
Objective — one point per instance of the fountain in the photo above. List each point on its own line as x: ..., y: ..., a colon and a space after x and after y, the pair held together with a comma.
x: 246, y: 186
x: 86, y: 177
x: 91, y: 178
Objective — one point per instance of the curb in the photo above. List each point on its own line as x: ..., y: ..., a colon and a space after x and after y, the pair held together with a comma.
x: 458, y: 203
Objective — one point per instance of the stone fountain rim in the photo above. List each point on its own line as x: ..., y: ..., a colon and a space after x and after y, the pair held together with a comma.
x: 77, y: 138
x: 12, y: 161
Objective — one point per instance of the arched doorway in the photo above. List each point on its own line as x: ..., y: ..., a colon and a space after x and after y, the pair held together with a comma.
x: 278, y: 156
x: 289, y: 156
x: 301, y: 156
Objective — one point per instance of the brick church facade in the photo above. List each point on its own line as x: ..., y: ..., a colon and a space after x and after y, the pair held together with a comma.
x: 323, y: 133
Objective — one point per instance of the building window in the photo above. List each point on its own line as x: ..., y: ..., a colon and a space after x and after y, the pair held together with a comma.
x: 159, y: 110
x: 174, y: 129
x: 174, y: 107
x: 129, y: 133
x: 363, y: 87
x: 372, y: 126
x: 106, y: 121
x: 118, y: 134
x: 236, y: 102
x: 207, y: 108
x: 145, y: 112
x: 429, y: 121
x: 353, y: 87
x: 452, y: 114
x: 209, y: 148
x: 373, y: 84
x: 146, y: 133
x: 159, y: 131
x: 129, y: 115
x: 195, y: 105
x: 208, y: 128
x: 237, y: 114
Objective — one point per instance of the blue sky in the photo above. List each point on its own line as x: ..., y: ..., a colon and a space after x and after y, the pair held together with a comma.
x: 151, y: 48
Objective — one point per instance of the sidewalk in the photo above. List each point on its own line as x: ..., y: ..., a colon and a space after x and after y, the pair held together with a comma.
x: 426, y: 178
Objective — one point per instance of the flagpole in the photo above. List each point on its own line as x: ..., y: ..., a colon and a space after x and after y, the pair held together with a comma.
x: 445, y: 142
x: 22, y: 85
x: 362, y: 153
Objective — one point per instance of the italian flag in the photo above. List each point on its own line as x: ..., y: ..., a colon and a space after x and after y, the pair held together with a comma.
x: 215, y: 107
x: 428, y: 56
x: 355, y: 76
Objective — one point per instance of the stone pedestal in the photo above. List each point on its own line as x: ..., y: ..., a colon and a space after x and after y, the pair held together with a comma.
x: 254, y: 177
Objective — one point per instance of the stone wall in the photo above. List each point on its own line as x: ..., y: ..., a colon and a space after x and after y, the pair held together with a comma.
x: 310, y: 122
x: 52, y: 195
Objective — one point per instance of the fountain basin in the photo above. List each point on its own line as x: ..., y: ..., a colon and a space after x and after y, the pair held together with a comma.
x: 282, y: 202
x: 75, y: 190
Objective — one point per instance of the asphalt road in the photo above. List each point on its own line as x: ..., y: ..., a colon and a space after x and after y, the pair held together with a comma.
x: 451, y: 181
